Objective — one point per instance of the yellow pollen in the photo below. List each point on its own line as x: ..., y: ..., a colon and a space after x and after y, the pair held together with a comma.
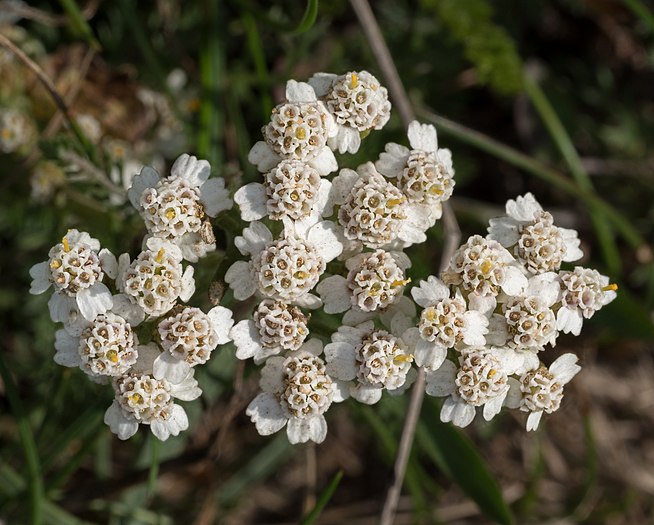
x: 486, y: 267
x: 136, y: 398
x: 301, y: 133
x: 113, y: 356
x: 7, y: 134
x: 300, y: 275
x: 64, y: 241
x: 160, y: 255
x: 435, y: 190
x: 170, y: 214
x: 491, y: 373
x: 55, y: 264
x: 610, y: 287
x: 402, y: 282
x: 354, y: 81
x: 430, y: 314
x: 393, y: 202
x: 403, y: 358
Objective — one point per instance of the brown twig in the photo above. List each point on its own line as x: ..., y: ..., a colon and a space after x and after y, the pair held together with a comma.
x: 452, y: 236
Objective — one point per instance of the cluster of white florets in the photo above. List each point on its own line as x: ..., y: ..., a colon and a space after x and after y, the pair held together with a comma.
x: 376, y: 213
x: 100, y: 333
x: 502, y: 301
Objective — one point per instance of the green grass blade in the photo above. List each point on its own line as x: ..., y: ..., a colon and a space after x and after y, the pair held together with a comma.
x: 323, y: 499
x: 28, y: 444
x: 79, y: 24
x: 258, y: 58
x: 153, y: 473
x: 642, y: 12
x: 260, y: 466
x: 565, y: 146
x: 520, y: 160
x: 456, y: 455
x: 212, y: 62
x: 309, y: 18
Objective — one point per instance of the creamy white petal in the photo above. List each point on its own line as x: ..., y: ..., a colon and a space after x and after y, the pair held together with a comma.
x: 533, y: 420
x: 523, y: 208
x: 514, y: 281
x: 569, y: 320
x: 263, y: 157
x: 400, y: 323
x: 215, y: 197
x: 308, y: 300
x: 187, y: 389
x: 484, y: 304
x: 324, y: 162
x: 246, y: 339
x: 146, y: 357
x: 253, y: 239
x: 422, y: 136
x: 119, y: 423
x: 252, y: 200
x: 341, y: 362
x: 546, y: 287
x: 355, y: 317
x: 195, y: 171
x: 94, y: 301
x: 366, y: 394
x: 572, y: 249
x: 347, y: 140
x: 271, y: 380
x: 147, y: 178
x: 108, y: 263
x: 40, y: 274
x: 514, y: 395
x: 341, y: 390
x: 476, y: 328
x: 504, y: 230
x: 401, y: 259
x: 392, y: 162
x: 239, y: 278
x: 564, y: 368
x: 493, y: 406
x: 188, y: 284
x: 169, y: 367
x: 440, y: 382
x: 157, y: 243
x: 353, y: 334
x: 457, y: 411
x: 322, y: 83
x: 124, y: 307
x: 342, y: 185
x: 324, y: 239
x: 323, y: 205
x: 67, y: 348
x: 430, y: 292
x: 299, y: 430
x: 335, y: 294
x: 221, y: 322
x: 429, y: 355
x: 299, y: 92
x: 413, y: 227
x: 266, y: 413
x: 498, y: 331
x: 318, y: 428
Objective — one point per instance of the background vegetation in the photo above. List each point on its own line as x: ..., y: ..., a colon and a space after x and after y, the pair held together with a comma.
x: 560, y: 95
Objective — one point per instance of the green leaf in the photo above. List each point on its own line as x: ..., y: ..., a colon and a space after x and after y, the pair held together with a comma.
x: 323, y: 499
x: 457, y: 456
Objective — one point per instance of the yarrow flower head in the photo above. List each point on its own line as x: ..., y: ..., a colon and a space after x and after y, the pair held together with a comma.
x: 374, y: 213
x: 529, y: 232
x: 297, y: 391
x: 156, y: 278
x: 583, y: 292
x: 291, y: 190
x: 298, y: 129
x: 275, y: 328
x: 424, y: 173
x: 140, y: 398
x: 285, y: 269
x: 484, y: 267
x: 358, y: 103
x: 541, y: 389
x: 445, y: 322
x: 375, y: 281
x: 75, y: 268
x: 370, y: 361
x: 106, y: 346
x: 480, y: 379
x: 188, y: 336
x: 176, y: 207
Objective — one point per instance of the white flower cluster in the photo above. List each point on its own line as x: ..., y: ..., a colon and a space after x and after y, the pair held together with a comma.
x: 502, y: 300
x: 101, y: 329
x: 378, y: 210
